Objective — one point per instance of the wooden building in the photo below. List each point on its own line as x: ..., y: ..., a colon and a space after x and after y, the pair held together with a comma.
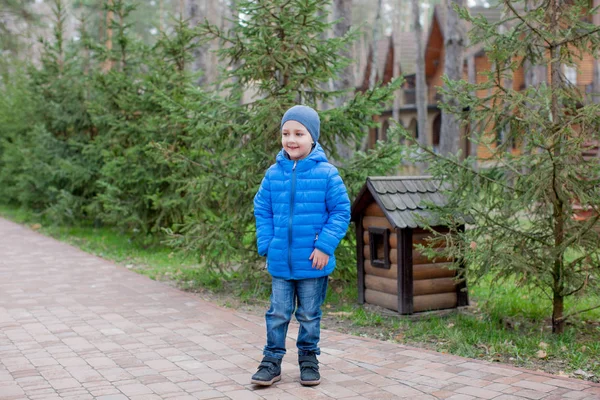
x: 389, y: 214
x: 582, y: 75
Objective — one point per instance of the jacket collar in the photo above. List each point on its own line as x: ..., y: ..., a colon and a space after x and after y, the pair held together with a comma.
x: 317, y: 155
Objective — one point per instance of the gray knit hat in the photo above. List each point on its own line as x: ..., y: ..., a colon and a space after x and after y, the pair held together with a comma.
x: 307, y: 117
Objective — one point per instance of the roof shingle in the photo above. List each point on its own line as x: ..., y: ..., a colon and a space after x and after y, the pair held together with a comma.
x: 403, y: 199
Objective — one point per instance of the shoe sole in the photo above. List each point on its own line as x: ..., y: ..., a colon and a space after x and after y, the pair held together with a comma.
x: 266, y: 383
x: 310, y: 383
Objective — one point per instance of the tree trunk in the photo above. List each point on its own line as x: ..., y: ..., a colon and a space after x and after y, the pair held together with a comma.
x: 376, y: 31
x: 396, y: 29
x: 453, y: 61
x: 596, y: 83
x: 161, y: 13
x: 596, y: 76
x: 205, y: 58
x: 123, y: 60
x: 557, y: 199
x: 472, y: 76
x: 193, y: 12
x: 508, y: 85
x: 558, y: 307
x: 506, y: 138
x: 373, y: 60
x: 342, y: 12
x: 214, y: 15
x: 108, y: 64
x: 421, y: 83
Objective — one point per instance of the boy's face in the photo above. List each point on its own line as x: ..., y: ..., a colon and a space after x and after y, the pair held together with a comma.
x: 296, y: 140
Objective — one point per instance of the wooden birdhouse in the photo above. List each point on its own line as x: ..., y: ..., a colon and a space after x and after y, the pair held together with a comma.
x: 389, y: 214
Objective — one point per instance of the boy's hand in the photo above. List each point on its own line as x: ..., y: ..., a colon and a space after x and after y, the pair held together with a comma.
x: 319, y: 259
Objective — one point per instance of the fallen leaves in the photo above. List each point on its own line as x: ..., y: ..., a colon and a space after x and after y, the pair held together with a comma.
x: 541, y: 354
x: 583, y: 374
x: 341, y: 313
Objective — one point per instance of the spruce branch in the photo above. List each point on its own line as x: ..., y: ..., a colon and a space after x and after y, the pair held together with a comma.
x: 565, y: 317
x: 485, y: 216
x: 534, y: 29
x: 575, y: 39
x: 461, y: 166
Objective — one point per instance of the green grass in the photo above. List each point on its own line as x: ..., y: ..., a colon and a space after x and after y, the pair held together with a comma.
x: 505, y: 322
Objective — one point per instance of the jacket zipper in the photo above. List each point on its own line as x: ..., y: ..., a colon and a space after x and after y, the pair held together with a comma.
x: 292, y: 198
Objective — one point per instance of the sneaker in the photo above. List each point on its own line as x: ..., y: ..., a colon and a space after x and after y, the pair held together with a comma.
x: 269, y: 372
x: 309, y: 370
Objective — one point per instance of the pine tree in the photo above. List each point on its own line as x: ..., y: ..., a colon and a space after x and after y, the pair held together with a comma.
x: 43, y: 165
x: 139, y: 190
x: 524, y: 203
x: 278, y: 51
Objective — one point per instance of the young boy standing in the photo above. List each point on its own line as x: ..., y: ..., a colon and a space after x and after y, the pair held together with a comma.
x: 302, y: 212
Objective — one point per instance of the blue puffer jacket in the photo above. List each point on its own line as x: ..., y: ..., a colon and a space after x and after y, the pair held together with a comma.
x: 301, y: 205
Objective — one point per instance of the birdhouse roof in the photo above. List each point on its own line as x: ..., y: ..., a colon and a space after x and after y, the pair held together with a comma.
x: 403, y: 199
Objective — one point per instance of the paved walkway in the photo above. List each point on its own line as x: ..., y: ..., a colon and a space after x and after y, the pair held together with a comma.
x: 74, y: 326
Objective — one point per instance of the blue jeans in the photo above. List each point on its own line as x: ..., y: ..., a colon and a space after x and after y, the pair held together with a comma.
x: 306, y: 297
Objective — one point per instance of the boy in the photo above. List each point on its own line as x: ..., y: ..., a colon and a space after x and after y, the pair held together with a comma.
x: 302, y: 212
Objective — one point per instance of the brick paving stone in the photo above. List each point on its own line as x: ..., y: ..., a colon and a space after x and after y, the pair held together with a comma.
x: 243, y: 395
x: 64, y: 383
x: 288, y: 396
x: 540, y: 387
x: 134, y: 389
x: 478, y: 392
x: 402, y: 391
x: 497, y: 387
x: 178, y: 376
x: 152, y: 379
x: 470, y: 381
x: 78, y: 397
x: 194, y: 386
x: 161, y: 365
x: 104, y: 391
x: 41, y: 392
x: 164, y: 388
x: 74, y: 326
x: 207, y: 394
x: 179, y: 397
x: 11, y: 390
x: 531, y: 394
x: 567, y: 384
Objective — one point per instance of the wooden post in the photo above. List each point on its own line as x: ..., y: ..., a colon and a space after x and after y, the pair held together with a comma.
x: 405, y: 272
x: 360, y: 260
x: 462, y: 295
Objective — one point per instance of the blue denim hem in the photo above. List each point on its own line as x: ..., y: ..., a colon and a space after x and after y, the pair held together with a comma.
x: 309, y: 352
x: 273, y: 355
